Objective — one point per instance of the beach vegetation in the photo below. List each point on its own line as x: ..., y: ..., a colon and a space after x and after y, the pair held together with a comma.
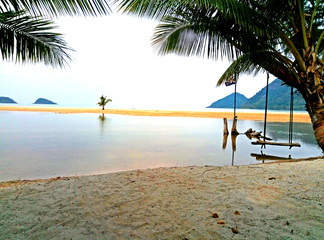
x: 28, y: 33
x: 103, y: 101
x: 283, y: 38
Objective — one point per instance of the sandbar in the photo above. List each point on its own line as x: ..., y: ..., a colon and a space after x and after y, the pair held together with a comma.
x: 263, y: 201
x: 271, y: 117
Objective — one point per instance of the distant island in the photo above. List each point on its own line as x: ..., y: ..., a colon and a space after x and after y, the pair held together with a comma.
x: 6, y: 100
x: 43, y: 101
x: 278, y: 99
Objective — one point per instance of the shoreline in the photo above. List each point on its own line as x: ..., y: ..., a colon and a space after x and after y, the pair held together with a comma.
x: 271, y: 117
x: 275, y: 201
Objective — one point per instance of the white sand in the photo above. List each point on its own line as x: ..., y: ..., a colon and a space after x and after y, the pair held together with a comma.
x: 170, y: 203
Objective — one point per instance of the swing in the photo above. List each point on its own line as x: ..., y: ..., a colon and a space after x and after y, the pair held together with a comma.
x: 263, y: 142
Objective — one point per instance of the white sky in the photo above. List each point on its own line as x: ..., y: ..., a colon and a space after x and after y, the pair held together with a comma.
x: 114, y: 57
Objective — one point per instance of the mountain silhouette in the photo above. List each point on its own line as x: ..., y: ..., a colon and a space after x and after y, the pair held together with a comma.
x: 278, y: 99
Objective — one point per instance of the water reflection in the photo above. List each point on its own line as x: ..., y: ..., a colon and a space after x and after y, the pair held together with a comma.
x: 79, y: 144
x: 264, y: 157
x: 102, y: 117
x: 278, y: 134
x: 302, y: 132
x: 104, y: 123
x: 233, y: 140
x: 225, y: 136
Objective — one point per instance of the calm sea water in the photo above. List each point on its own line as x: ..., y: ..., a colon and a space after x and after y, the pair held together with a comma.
x: 42, y: 145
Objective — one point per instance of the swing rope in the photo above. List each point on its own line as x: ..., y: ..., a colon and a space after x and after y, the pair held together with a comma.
x: 291, y: 115
x: 235, y: 97
x: 266, y: 110
x: 264, y: 142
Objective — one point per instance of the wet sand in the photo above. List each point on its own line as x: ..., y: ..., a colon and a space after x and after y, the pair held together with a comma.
x: 264, y: 201
x: 271, y: 117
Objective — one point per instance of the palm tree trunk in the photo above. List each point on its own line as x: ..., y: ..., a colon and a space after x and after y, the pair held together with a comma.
x: 316, y: 112
x: 314, y: 95
x: 315, y: 109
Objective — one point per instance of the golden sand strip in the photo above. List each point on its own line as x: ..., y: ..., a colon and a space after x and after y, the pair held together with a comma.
x: 272, y: 117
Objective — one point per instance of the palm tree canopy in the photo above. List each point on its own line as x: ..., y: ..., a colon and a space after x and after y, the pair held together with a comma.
x: 104, y: 100
x: 26, y: 36
x: 29, y: 39
x: 256, y: 35
x: 284, y: 38
x: 57, y: 7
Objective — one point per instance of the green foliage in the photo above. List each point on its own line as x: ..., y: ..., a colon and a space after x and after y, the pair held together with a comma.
x: 279, y: 99
x: 256, y: 35
x: 57, y: 7
x: 284, y: 38
x: 103, y: 101
x: 27, y: 36
x: 228, y: 101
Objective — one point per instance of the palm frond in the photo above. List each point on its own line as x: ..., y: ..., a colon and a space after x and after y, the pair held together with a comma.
x: 149, y: 8
x: 176, y: 35
x: 258, y: 61
x: 243, y: 15
x: 57, y: 7
x: 267, y: 35
x: 202, y: 32
x: 243, y: 64
x: 30, y: 39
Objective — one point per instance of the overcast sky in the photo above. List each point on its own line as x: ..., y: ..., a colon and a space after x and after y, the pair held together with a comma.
x: 114, y: 57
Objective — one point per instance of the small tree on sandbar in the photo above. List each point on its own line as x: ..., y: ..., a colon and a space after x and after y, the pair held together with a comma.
x: 103, y: 101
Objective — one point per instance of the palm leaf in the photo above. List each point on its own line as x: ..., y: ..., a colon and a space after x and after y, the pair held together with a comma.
x: 260, y: 61
x: 175, y: 35
x: 57, y: 7
x: 30, y: 39
x: 258, y: 34
x: 243, y: 15
x: 202, y: 32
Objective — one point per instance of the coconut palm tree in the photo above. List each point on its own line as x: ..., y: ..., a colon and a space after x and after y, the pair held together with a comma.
x: 103, y: 101
x: 284, y: 38
x: 27, y: 35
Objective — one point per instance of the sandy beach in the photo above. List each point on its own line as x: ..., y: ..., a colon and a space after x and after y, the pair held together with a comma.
x: 264, y: 201
x: 272, y: 117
